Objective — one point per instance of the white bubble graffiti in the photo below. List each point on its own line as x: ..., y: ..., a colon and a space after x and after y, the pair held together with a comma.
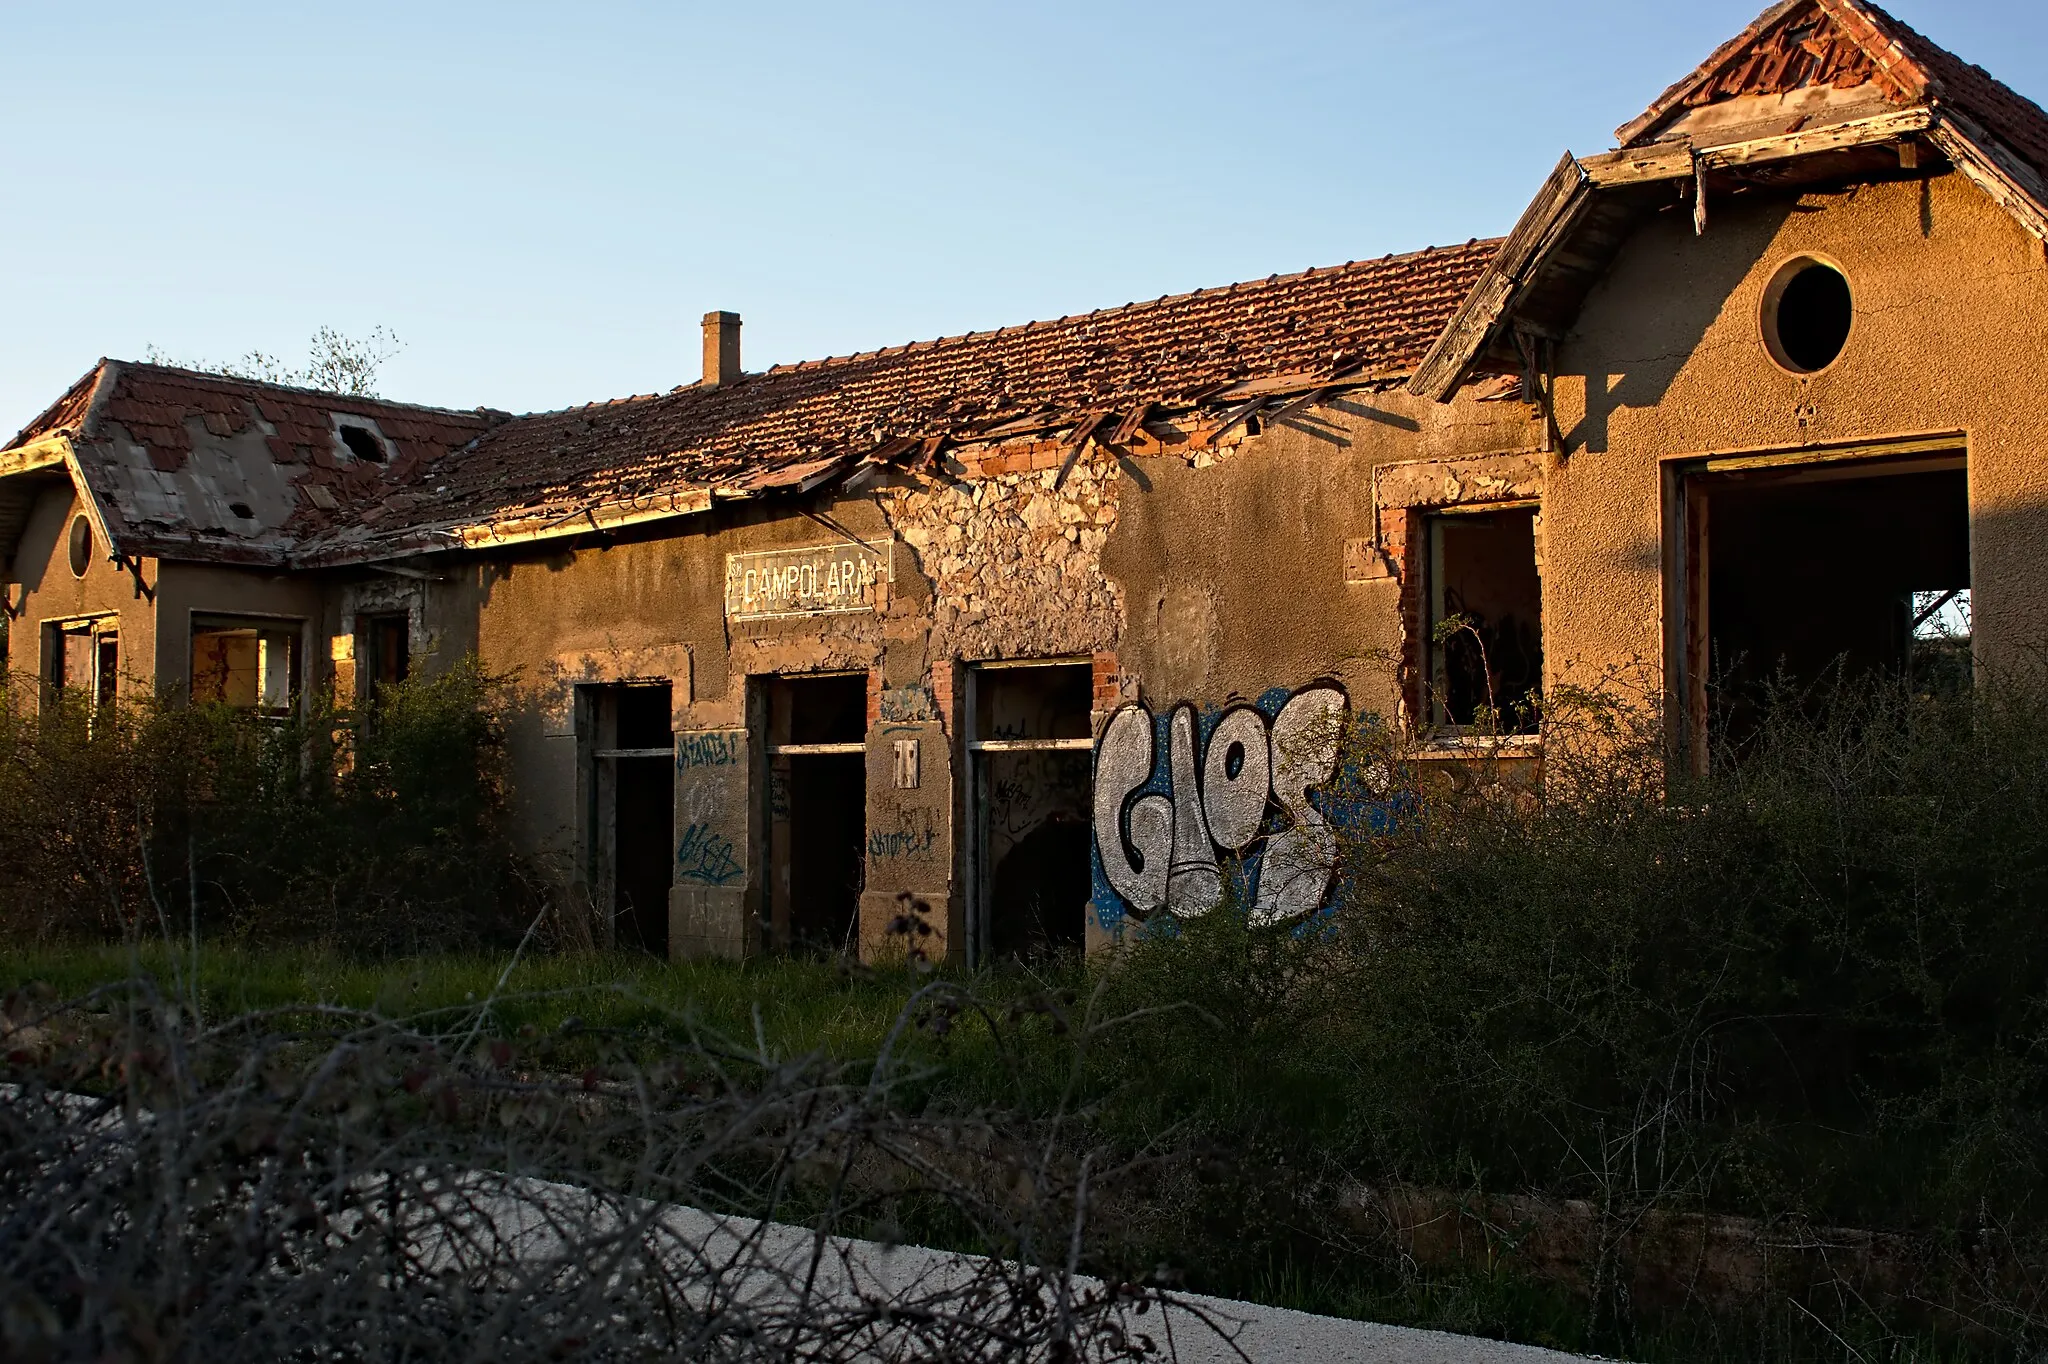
x: 1251, y: 782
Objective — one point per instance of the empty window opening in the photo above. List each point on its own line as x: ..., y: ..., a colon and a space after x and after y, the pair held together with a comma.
x: 633, y: 798
x: 78, y: 549
x: 1030, y: 748
x: 84, y: 660
x: 387, y: 646
x: 363, y: 443
x: 1837, y: 572
x: 817, y: 810
x: 1807, y: 313
x: 1485, y: 620
x: 250, y: 664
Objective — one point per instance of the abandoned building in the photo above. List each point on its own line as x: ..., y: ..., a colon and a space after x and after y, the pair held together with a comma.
x: 1048, y: 627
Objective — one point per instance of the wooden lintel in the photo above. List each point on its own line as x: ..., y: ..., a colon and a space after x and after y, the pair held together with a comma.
x: 1682, y: 160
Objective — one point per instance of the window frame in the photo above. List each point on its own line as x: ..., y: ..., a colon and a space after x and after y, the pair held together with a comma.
x: 297, y: 628
x: 1438, y: 730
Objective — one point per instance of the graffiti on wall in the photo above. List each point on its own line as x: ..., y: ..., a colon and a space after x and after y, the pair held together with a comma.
x: 1186, y: 799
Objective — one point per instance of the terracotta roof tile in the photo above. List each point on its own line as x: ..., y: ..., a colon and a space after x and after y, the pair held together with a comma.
x: 169, y: 451
x: 1846, y: 43
x: 1380, y: 314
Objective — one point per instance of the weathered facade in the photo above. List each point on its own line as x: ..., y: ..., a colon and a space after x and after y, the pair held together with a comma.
x: 1047, y: 629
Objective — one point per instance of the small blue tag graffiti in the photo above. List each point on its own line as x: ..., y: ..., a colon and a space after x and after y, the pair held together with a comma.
x: 912, y: 837
x: 711, y: 748
x: 705, y: 856
x: 1191, y: 805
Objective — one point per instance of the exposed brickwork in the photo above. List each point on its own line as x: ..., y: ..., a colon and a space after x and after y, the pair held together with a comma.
x: 1108, y: 683
x: 946, y: 692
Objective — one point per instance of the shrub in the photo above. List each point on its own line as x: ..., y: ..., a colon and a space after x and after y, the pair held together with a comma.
x: 1809, y: 985
x: 379, y: 830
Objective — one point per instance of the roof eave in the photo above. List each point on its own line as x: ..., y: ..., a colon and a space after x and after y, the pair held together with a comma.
x: 1546, y: 226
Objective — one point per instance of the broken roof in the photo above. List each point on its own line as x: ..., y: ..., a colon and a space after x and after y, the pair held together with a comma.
x: 1814, y: 90
x: 186, y: 465
x: 202, y: 466
x: 796, y: 424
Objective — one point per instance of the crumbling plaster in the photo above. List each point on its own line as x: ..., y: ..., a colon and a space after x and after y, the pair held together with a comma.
x: 1666, y: 361
x: 1233, y: 565
x: 1012, y: 561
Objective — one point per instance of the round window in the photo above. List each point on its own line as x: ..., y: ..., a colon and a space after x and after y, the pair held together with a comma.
x: 80, y: 546
x: 1807, y: 314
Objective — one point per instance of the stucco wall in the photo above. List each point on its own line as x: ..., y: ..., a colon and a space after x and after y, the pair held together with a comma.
x: 1233, y: 572
x: 48, y: 591
x: 1666, y: 361
x: 185, y: 589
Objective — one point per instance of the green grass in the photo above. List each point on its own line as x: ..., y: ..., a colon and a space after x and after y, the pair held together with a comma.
x: 791, y: 1007
x: 774, y: 1007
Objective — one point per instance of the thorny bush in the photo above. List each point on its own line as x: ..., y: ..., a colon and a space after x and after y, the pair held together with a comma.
x: 380, y: 829
x: 332, y: 1184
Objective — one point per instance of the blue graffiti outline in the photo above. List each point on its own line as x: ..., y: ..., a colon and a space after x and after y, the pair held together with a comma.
x: 1241, y: 871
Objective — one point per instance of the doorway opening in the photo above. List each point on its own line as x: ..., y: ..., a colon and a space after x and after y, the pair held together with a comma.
x: 817, y: 810
x: 387, y: 648
x: 633, y: 771
x: 1485, y: 621
x: 1030, y: 750
x: 1806, y: 575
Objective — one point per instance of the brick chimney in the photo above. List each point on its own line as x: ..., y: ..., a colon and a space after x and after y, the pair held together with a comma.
x: 721, y: 349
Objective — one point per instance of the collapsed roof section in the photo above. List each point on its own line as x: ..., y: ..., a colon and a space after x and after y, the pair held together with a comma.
x: 798, y: 426
x: 1814, y: 91
x: 183, y: 465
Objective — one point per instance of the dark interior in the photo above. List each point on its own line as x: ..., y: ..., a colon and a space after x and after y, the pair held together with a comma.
x: 1814, y: 315
x: 644, y: 806
x: 820, y: 710
x: 1035, y: 820
x: 643, y: 717
x: 1809, y: 574
x: 1038, y: 702
x: 827, y: 807
x: 828, y: 833
x: 1487, y: 567
x: 1038, y: 897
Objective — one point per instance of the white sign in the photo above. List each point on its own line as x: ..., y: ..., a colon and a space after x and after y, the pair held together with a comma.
x: 816, y: 580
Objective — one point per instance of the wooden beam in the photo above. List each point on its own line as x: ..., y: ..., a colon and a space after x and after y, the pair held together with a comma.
x: 1306, y: 400
x: 2012, y: 184
x: 1233, y: 418
x: 1675, y: 160
x: 1129, y: 426
x: 1544, y: 224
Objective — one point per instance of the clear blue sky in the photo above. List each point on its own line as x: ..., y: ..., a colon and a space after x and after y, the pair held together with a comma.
x: 542, y: 200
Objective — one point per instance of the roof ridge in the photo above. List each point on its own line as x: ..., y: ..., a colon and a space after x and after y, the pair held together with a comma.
x: 216, y: 377
x: 1164, y: 300
x: 35, y: 428
x: 1858, y: 20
